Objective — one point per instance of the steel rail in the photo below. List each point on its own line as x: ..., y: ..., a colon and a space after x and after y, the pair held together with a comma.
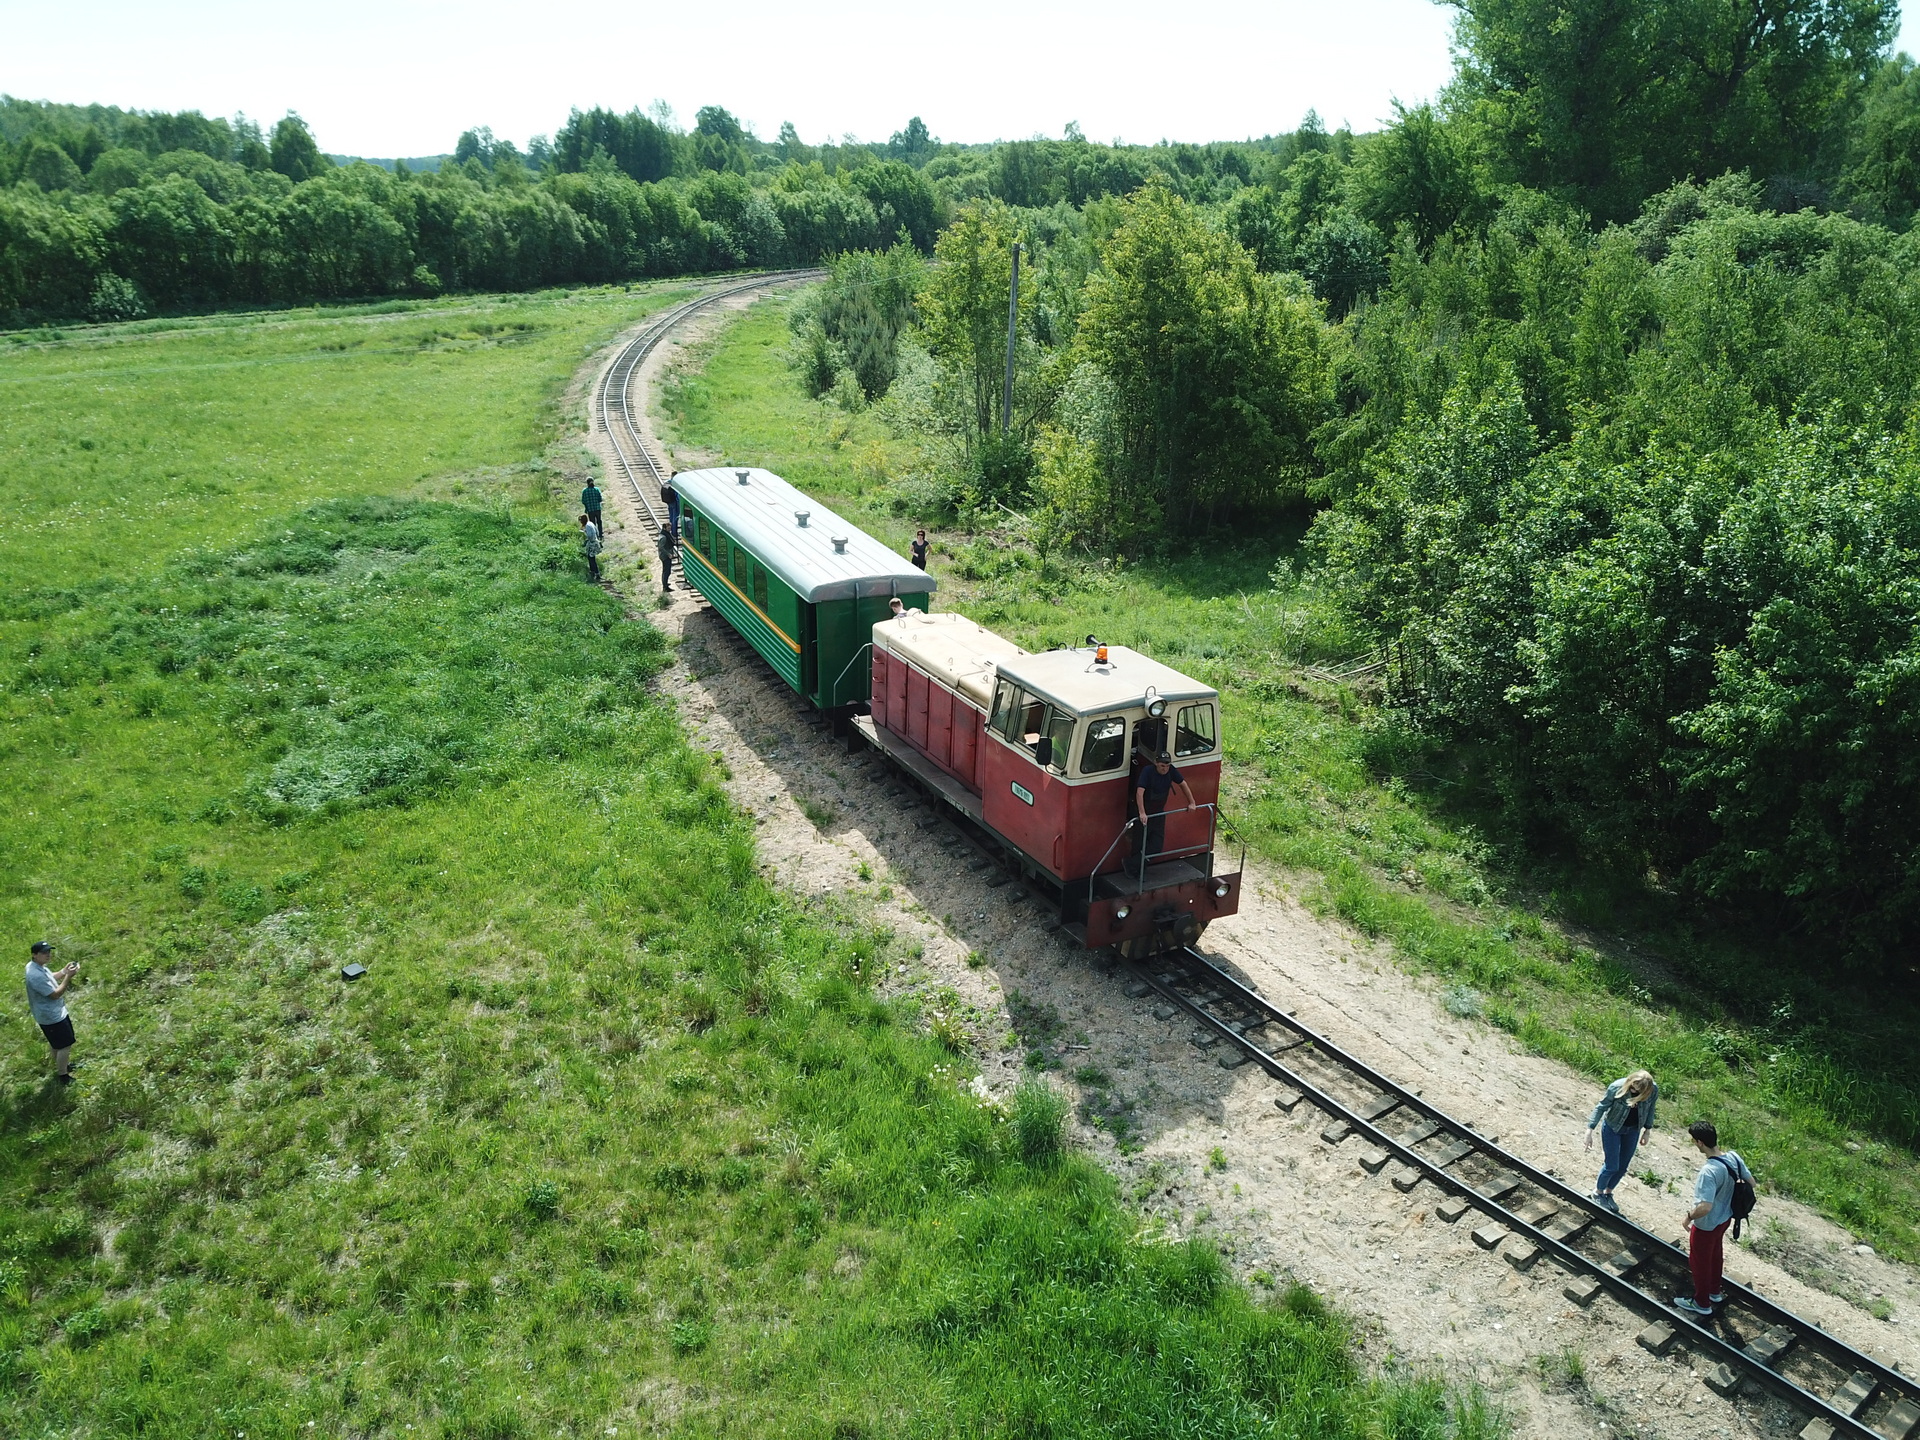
x: 613, y: 393
x: 1887, y: 1383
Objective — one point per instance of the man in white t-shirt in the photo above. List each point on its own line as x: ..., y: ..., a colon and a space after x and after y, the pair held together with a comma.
x: 45, y: 989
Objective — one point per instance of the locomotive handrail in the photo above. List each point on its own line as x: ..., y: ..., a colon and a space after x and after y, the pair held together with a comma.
x: 849, y: 665
x: 1213, y: 821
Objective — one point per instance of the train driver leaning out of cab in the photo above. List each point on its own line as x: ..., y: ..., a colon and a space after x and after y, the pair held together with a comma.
x: 895, y: 608
x: 1150, y: 791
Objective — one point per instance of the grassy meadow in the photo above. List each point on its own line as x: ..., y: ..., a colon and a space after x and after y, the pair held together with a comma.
x: 298, y: 669
x: 1819, y: 1089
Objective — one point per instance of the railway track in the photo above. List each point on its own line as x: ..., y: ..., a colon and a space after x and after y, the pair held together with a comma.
x: 613, y: 396
x: 1530, y: 1218
x: 1525, y: 1215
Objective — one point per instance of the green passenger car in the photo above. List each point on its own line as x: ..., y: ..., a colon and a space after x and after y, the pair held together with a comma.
x: 799, y: 583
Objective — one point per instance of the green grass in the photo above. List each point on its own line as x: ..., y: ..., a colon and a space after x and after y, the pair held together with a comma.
x: 1819, y: 1087
x: 613, y: 1135
x: 121, y: 444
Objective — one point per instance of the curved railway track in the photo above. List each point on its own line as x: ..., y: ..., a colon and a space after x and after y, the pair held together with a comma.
x: 1529, y: 1217
x: 1525, y: 1215
x: 613, y: 395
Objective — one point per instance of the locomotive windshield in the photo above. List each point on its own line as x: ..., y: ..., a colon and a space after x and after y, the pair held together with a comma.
x: 1193, y: 731
x: 1106, y: 746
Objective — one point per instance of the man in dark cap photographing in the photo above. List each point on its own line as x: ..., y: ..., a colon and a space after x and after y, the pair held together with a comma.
x: 45, y: 989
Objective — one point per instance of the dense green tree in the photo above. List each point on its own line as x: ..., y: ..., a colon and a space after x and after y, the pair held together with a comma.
x: 641, y: 148
x: 964, y: 304
x: 116, y: 169
x: 49, y: 166
x: 294, y: 153
x: 719, y: 141
x: 174, y: 242
x: 1219, y: 374
x: 50, y: 255
x: 1882, y: 177
x: 915, y: 144
x: 1419, y: 173
x: 1610, y: 101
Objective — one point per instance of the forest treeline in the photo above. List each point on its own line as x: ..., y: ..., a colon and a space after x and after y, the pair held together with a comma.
x: 1599, y: 383
x: 132, y: 213
x: 107, y: 214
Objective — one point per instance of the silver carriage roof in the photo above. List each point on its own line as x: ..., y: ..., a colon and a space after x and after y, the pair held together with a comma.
x: 1074, y: 680
x: 824, y: 559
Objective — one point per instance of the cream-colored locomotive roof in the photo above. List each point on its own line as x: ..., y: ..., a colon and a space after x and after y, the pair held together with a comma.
x: 1074, y: 680
x: 959, y: 653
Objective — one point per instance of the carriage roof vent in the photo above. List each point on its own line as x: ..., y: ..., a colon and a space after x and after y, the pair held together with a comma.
x: 800, y: 518
x: 741, y: 475
x: 839, y: 544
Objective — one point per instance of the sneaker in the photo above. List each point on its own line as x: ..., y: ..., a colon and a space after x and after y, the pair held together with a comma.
x: 1685, y: 1302
x: 1719, y: 1299
x: 64, y: 1079
x: 1607, y: 1202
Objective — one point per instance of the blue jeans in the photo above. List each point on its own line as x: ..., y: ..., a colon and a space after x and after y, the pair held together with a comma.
x: 1619, y: 1146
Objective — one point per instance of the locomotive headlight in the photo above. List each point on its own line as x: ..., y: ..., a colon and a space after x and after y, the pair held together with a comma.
x: 1121, y: 912
x: 1220, y: 889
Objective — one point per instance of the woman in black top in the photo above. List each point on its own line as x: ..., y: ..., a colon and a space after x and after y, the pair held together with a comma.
x: 920, y: 549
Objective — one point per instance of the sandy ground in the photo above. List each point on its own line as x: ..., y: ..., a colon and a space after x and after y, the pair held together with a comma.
x: 1206, y: 1150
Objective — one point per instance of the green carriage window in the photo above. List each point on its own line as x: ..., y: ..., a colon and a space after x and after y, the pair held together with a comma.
x: 1193, y: 731
x: 1106, y: 746
x: 720, y: 548
x: 705, y: 542
x: 759, y: 586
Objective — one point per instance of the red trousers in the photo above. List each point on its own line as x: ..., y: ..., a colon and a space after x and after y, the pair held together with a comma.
x: 1706, y: 1258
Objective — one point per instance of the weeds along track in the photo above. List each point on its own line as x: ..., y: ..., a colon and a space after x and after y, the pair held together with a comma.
x: 1534, y: 1222
x: 613, y: 396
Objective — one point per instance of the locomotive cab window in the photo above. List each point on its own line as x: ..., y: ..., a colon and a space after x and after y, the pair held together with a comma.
x: 1193, y: 732
x: 1005, y: 702
x: 1106, y: 746
x: 1057, y: 741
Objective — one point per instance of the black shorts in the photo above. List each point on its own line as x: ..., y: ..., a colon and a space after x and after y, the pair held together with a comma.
x: 59, y: 1034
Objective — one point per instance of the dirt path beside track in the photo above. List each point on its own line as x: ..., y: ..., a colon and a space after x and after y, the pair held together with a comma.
x: 1202, y: 1149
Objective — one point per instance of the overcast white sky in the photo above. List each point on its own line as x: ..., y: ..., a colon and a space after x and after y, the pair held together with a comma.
x: 404, y: 77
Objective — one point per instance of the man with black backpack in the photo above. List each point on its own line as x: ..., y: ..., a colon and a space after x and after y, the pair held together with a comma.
x: 1722, y: 1197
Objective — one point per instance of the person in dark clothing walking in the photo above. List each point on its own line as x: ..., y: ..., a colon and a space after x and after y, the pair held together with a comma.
x: 920, y: 549
x: 1150, y: 791
x: 45, y: 989
x: 663, y: 547
x: 590, y: 502
x: 590, y: 545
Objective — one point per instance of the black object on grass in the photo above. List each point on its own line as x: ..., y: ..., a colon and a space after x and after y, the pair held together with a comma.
x: 352, y: 972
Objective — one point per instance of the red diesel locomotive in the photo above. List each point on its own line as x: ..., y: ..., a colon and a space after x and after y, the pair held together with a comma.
x: 1042, y: 752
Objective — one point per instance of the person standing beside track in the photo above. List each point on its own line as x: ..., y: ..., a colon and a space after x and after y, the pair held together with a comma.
x: 1150, y: 791
x: 664, y: 548
x: 590, y: 502
x: 590, y: 546
x: 1624, y: 1118
x: 1707, y: 1221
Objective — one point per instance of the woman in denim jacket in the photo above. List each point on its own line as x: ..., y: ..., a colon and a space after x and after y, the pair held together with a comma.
x: 1623, y: 1116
